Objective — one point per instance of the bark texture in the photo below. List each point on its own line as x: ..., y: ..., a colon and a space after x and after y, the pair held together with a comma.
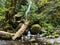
x: 21, y: 30
x: 6, y: 33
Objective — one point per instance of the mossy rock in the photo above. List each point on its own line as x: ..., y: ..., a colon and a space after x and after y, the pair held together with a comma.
x: 55, y: 35
x: 48, y: 43
x: 36, y: 28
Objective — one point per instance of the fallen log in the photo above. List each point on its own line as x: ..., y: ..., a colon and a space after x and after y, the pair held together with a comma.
x: 21, y: 30
x: 6, y: 33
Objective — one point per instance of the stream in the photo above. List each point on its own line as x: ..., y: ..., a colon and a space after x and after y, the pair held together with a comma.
x: 55, y: 41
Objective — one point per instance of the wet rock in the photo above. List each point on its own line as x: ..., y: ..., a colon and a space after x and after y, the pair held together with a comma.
x: 48, y: 43
x: 32, y: 39
x: 57, y: 43
x: 54, y: 41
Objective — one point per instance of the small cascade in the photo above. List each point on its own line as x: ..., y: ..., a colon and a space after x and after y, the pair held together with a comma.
x: 22, y: 39
x: 28, y: 35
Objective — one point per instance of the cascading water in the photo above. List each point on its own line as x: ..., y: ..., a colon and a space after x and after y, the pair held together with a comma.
x: 28, y: 9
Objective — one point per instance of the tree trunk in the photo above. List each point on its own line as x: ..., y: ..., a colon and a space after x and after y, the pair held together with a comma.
x: 21, y: 30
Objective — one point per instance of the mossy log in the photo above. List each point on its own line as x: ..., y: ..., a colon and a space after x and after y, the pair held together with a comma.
x: 21, y: 30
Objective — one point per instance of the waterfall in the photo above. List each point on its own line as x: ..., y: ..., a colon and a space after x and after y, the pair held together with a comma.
x: 28, y: 9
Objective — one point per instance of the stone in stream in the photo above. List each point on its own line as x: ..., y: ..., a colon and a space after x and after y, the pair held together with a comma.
x: 32, y: 39
x: 55, y: 41
x: 36, y: 43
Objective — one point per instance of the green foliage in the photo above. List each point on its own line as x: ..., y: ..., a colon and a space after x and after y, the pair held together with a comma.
x: 2, y: 9
x: 48, y: 27
x: 2, y: 2
x: 33, y: 9
x: 58, y: 26
x: 41, y: 2
x: 43, y: 13
x: 33, y: 18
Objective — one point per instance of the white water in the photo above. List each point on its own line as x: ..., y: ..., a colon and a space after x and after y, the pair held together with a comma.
x: 28, y: 9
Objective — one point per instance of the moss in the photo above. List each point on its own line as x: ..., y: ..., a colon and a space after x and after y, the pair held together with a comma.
x: 50, y: 36
x: 48, y: 43
x: 56, y: 43
x: 7, y: 36
x: 36, y: 28
x: 56, y: 36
